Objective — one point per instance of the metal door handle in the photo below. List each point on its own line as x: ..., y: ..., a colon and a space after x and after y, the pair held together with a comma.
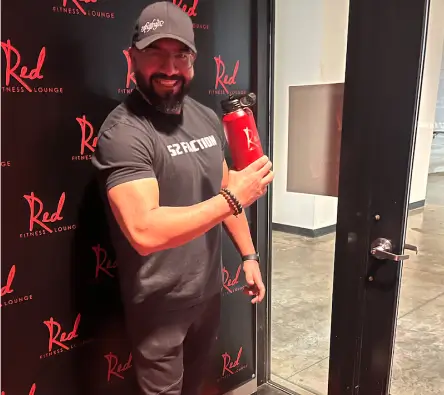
x: 382, y: 249
x: 411, y: 247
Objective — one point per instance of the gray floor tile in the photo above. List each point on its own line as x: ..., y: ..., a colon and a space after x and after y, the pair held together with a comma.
x: 301, y: 306
x: 418, y: 364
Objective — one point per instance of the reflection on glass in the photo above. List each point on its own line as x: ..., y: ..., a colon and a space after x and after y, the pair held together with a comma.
x: 418, y: 364
x: 310, y: 51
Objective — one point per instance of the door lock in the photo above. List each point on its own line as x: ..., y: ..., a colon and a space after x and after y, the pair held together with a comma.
x: 382, y: 249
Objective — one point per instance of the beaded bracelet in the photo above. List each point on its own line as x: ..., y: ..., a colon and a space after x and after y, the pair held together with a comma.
x: 232, y: 201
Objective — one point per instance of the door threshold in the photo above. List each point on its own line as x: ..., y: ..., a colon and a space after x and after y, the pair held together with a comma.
x: 272, y: 388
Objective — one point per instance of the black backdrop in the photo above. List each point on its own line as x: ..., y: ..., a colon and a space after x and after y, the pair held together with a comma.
x: 64, y: 69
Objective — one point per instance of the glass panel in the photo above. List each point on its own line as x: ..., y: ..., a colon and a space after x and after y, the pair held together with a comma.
x: 418, y: 364
x: 310, y: 53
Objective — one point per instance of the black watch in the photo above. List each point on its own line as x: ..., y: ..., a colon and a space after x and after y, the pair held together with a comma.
x: 251, y: 257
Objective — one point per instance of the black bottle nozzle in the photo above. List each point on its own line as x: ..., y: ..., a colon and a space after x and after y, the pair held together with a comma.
x: 248, y: 100
x: 236, y: 102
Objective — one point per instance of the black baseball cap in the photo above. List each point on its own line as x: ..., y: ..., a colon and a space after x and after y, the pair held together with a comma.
x: 163, y: 19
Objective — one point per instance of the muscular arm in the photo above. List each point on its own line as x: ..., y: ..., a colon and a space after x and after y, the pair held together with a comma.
x: 151, y: 228
x: 124, y: 159
x: 237, y: 227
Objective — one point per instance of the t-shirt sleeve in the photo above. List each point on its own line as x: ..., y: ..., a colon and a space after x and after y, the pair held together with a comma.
x: 222, y: 135
x: 218, y: 126
x: 123, y: 154
x: 223, y: 141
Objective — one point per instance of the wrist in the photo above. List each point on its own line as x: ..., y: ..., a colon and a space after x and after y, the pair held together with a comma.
x: 224, y: 206
x: 232, y: 201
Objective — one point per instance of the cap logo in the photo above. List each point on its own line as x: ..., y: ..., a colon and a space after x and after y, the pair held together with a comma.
x: 153, y: 25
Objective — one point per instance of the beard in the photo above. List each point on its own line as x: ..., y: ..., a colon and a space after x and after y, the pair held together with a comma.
x: 171, y: 103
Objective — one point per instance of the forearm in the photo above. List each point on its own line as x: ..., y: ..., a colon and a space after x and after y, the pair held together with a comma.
x: 170, y: 227
x: 239, y: 232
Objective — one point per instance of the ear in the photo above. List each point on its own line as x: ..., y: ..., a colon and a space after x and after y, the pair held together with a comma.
x: 132, y: 53
x: 191, y: 72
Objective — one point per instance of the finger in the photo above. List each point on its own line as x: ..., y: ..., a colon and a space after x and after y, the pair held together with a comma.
x: 265, y: 169
x: 268, y: 178
x: 263, y: 191
x: 246, y: 290
x: 259, y: 285
x: 249, y: 277
x: 258, y: 163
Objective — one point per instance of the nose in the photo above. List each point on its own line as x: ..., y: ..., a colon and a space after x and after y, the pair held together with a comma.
x: 168, y: 67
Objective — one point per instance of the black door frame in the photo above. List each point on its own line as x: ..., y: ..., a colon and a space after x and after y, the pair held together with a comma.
x: 262, y: 83
x: 385, y: 57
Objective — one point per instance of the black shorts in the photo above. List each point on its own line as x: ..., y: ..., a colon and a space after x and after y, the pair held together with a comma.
x: 171, y: 350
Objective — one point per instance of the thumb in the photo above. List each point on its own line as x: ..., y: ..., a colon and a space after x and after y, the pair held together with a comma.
x: 249, y: 277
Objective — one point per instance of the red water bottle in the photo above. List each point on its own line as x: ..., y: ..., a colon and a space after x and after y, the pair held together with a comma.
x: 240, y: 130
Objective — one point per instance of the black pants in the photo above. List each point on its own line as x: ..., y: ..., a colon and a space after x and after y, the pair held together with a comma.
x: 171, y: 350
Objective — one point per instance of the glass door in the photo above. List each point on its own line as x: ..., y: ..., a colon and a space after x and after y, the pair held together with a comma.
x: 346, y: 91
x: 310, y: 45
x: 418, y: 360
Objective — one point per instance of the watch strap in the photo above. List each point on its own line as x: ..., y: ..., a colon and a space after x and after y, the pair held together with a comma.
x: 251, y: 257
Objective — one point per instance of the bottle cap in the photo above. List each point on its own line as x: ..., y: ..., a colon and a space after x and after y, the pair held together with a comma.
x: 236, y: 102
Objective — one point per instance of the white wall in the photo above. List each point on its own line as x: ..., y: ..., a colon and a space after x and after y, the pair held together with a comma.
x: 310, y: 48
x: 429, y: 94
x: 310, y: 45
x: 436, y: 164
x: 294, y: 18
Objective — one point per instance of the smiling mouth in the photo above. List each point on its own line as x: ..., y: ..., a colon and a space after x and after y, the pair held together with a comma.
x: 167, y: 83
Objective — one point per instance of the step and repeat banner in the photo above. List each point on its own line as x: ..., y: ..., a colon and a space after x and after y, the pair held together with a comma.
x: 65, y: 66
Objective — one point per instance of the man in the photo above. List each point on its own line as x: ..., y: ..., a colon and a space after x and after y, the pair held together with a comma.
x: 160, y: 159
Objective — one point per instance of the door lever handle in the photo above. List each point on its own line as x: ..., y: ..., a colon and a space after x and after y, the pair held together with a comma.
x: 411, y: 247
x: 382, y: 249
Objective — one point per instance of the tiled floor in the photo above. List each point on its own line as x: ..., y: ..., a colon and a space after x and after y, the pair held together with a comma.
x: 302, y: 288
x: 436, y: 164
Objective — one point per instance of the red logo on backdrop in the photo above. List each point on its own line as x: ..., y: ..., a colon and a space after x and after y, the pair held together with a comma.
x: 130, y: 80
x: 115, y: 368
x: 81, y: 7
x: 103, y: 264
x: 42, y: 222
x: 59, y: 340
x: 225, y: 79
x: 231, y: 283
x: 20, y: 79
x: 187, y: 8
x: 88, y: 142
x: 31, y: 391
x: 232, y: 364
x: 190, y: 8
x: 6, y: 163
x: 8, y: 291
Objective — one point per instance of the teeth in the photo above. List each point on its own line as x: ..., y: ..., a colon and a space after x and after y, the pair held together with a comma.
x: 167, y: 82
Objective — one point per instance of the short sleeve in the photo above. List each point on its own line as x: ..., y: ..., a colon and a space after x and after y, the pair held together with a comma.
x: 222, y: 135
x: 218, y: 126
x: 223, y: 140
x: 123, y: 153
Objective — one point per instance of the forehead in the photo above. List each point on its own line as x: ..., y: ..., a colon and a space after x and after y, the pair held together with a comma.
x: 169, y: 44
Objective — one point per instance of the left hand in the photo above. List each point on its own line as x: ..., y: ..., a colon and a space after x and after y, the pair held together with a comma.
x: 255, y: 287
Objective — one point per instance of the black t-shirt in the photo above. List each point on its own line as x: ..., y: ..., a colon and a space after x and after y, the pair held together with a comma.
x: 185, y: 154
